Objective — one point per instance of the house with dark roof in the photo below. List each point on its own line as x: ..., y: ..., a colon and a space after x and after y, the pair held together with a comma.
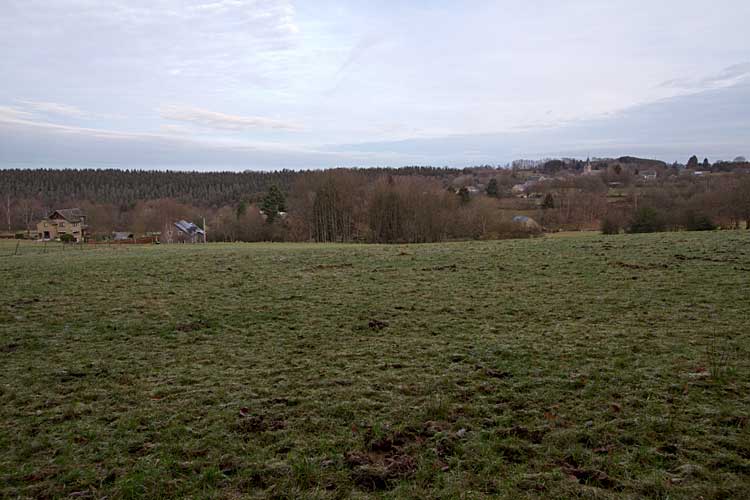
x: 187, y: 232
x: 70, y: 221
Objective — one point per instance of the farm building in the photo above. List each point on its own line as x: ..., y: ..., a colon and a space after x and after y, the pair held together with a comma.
x: 187, y: 232
x: 122, y: 236
x: 527, y: 223
x: 70, y: 221
x: 531, y: 181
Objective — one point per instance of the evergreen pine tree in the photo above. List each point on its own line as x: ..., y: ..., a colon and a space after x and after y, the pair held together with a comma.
x: 273, y: 203
x: 241, y: 209
x: 692, y: 162
x: 492, y: 188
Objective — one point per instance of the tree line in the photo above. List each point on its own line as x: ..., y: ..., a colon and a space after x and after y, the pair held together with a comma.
x: 125, y: 188
x: 410, y: 204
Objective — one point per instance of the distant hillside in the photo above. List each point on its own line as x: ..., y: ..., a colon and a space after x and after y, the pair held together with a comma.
x: 641, y: 162
x: 125, y: 187
x: 53, y: 187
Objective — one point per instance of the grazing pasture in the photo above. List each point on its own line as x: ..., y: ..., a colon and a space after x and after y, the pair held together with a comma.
x: 552, y: 367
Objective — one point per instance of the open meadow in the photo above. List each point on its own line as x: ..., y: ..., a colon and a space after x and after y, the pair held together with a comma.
x: 589, y: 365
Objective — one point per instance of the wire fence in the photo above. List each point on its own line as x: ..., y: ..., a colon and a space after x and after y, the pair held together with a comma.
x: 15, y: 248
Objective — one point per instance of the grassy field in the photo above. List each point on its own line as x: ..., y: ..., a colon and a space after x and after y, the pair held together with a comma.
x: 555, y: 367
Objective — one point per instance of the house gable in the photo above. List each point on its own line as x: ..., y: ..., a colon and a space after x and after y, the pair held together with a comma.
x: 72, y: 215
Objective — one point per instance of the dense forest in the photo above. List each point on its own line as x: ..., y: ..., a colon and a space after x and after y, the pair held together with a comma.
x: 409, y: 204
x: 127, y: 187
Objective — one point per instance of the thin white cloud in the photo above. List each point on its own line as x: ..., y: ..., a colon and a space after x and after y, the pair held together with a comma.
x: 27, y: 121
x: 55, y: 108
x: 30, y: 123
x: 65, y: 145
x: 276, y: 15
x: 357, y: 51
x: 728, y: 76
x: 10, y: 113
x: 175, y: 130
x: 223, y: 121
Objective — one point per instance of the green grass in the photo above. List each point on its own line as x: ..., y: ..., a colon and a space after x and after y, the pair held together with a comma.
x: 555, y: 367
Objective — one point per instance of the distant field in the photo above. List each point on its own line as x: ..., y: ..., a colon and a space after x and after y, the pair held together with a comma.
x: 553, y: 367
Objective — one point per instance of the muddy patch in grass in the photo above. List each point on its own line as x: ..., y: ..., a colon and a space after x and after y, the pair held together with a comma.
x: 252, y: 423
x: 192, y: 326
x: 489, y: 372
x: 589, y: 476
x: 10, y: 347
x: 322, y: 267
x: 376, y: 324
x: 378, y: 470
x: 533, y: 435
x: 387, y: 458
x: 704, y: 259
x: 22, y: 303
x: 642, y: 267
x: 449, y: 267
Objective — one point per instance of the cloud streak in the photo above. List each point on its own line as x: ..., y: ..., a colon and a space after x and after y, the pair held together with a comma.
x: 28, y: 143
x: 726, y: 77
x: 55, y: 108
x: 10, y: 113
x: 222, y: 121
x: 358, y: 51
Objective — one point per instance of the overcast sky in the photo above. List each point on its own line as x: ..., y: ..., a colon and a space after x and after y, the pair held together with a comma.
x: 266, y: 84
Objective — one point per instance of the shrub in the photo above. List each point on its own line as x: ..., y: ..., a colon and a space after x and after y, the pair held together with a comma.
x: 610, y: 225
x: 20, y: 236
x: 67, y: 238
x: 548, y: 202
x: 646, y: 220
x: 698, y: 222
